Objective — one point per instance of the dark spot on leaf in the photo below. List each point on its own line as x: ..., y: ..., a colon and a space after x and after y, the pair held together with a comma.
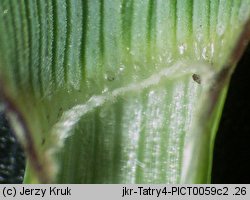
x: 43, y: 141
x: 111, y: 78
x: 196, y: 78
x: 59, y: 112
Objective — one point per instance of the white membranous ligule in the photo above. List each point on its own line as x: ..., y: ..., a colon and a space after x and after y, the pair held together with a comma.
x: 62, y: 129
x: 176, y: 72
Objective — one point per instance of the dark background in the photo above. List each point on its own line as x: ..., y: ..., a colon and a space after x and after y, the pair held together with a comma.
x: 12, y: 159
x: 232, y: 146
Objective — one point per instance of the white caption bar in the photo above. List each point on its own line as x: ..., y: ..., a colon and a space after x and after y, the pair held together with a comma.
x: 120, y: 191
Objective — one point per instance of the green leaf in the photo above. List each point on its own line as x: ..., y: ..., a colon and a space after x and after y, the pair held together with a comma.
x: 124, y: 91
